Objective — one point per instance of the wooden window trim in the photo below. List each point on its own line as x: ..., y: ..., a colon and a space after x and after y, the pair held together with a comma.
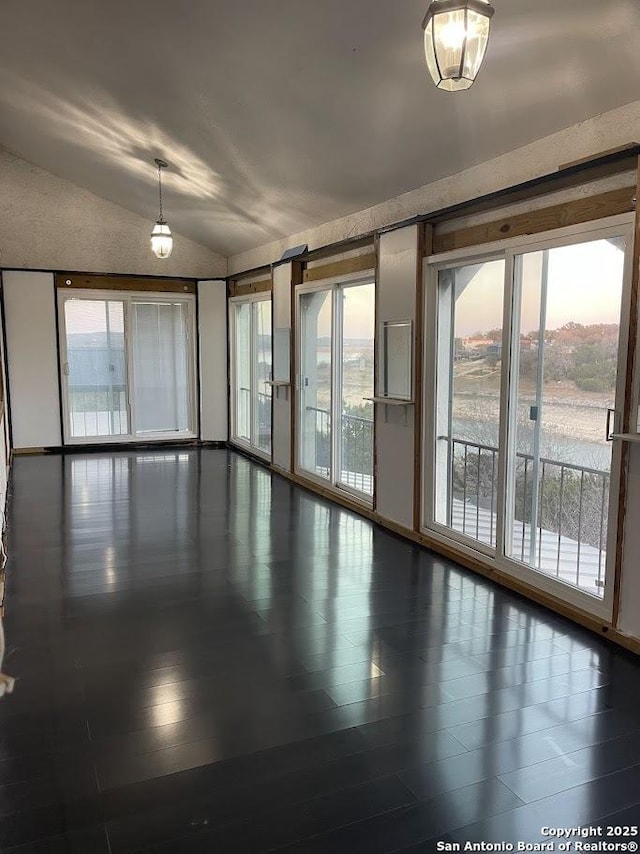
x: 359, y: 264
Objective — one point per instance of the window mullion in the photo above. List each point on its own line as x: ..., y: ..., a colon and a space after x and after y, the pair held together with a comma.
x: 336, y: 387
x: 253, y: 382
x: 508, y: 403
x: 128, y: 346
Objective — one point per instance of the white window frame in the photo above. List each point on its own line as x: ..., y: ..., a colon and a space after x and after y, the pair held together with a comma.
x: 616, y: 226
x: 336, y: 286
x: 240, y: 441
x: 128, y: 297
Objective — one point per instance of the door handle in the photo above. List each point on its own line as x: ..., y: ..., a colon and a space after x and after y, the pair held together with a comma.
x: 609, y: 432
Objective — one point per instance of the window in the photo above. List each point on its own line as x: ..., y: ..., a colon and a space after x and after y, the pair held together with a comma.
x: 336, y: 357
x: 127, y: 366
x: 252, y: 373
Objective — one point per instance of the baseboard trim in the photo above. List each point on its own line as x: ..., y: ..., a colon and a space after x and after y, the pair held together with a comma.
x: 101, y: 447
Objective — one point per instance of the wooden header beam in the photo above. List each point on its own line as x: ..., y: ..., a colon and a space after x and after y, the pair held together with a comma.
x: 125, y: 283
x: 537, y: 221
x: 359, y: 264
x: 241, y: 289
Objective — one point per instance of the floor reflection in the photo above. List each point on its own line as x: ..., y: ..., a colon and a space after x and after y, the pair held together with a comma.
x: 194, y: 632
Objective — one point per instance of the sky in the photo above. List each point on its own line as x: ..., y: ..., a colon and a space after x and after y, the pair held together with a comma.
x: 359, y: 313
x: 584, y: 286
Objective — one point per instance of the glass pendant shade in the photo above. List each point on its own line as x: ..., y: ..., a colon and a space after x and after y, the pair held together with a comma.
x: 161, y: 240
x: 456, y: 33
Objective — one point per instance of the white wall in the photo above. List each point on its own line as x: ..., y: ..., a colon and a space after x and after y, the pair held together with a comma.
x: 395, y: 425
x: 32, y: 359
x: 212, y: 327
x: 542, y: 157
x: 47, y: 223
x: 282, y: 396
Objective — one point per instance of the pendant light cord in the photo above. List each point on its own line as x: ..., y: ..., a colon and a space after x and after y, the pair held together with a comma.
x: 160, y: 191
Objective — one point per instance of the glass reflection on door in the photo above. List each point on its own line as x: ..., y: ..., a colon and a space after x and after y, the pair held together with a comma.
x: 567, y: 307
x: 468, y: 385
x: 252, y: 373
x: 315, y: 382
x: 355, y: 466
x: 96, y: 368
x: 243, y: 371
x: 262, y: 399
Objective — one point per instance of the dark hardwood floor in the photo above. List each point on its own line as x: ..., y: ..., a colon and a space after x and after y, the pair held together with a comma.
x: 213, y: 660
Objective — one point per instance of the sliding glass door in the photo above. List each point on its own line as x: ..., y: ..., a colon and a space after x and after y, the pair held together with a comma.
x: 315, y: 397
x: 95, y: 368
x: 263, y: 367
x: 469, y: 350
x: 252, y: 368
x: 526, y: 366
x: 355, y: 452
x: 127, y: 366
x: 566, y: 332
x: 335, y: 414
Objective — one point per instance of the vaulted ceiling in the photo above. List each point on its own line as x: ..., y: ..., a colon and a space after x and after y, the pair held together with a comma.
x: 277, y: 116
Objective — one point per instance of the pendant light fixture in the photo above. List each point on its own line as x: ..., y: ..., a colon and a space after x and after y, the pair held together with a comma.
x: 456, y: 33
x: 161, y: 239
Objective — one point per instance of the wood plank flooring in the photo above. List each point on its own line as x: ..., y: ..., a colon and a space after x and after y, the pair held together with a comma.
x: 211, y: 659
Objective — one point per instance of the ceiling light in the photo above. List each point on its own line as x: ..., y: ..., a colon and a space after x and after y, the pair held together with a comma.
x: 456, y: 33
x: 161, y: 239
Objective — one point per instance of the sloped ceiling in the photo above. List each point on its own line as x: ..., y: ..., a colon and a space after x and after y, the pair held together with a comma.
x: 277, y: 116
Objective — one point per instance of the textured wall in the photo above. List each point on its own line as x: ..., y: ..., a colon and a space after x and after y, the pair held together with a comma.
x: 395, y: 425
x: 212, y: 338
x: 50, y: 224
x: 539, y: 158
x: 32, y: 359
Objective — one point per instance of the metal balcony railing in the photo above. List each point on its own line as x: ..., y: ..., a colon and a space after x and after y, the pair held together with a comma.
x: 356, y: 448
x: 568, y: 536
x: 262, y: 426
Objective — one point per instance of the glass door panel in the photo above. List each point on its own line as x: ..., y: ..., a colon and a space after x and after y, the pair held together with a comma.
x: 161, y: 367
x: 567, y: 307
x: 315, y: 397
x: 242, y: 365
x: 95, y: 368
x: 468, y: 386
x: 355, y: 467
x: 262, y: 398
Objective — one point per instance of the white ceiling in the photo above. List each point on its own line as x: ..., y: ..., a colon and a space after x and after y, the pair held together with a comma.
x: 277, y: 116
